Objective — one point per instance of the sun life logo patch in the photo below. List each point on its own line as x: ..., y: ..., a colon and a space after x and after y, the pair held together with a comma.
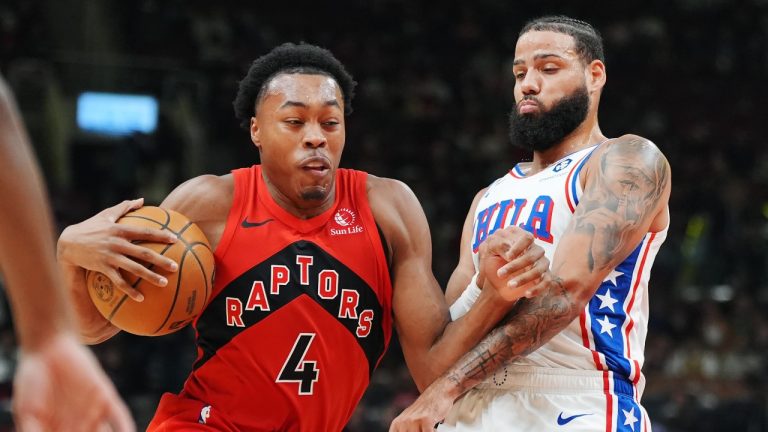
x: 344, y: 217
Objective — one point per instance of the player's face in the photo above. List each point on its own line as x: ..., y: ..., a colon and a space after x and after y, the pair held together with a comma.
x: 547, y: 69
x: 551, y: 92
x: 299, y: 130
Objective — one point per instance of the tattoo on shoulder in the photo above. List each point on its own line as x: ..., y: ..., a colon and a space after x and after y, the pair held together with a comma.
x: 625, y: 191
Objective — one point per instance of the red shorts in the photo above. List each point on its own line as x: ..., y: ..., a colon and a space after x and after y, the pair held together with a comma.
x: 176, y: 412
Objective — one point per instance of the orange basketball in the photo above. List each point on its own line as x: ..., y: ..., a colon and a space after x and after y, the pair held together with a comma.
x: 164, y: 309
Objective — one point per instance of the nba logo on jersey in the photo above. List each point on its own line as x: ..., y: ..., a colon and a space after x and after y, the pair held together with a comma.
x: 205, y: 413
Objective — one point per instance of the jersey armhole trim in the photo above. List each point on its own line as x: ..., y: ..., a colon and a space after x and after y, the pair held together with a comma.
x: 241, y: 183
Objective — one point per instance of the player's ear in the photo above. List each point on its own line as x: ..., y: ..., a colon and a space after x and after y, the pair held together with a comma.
x: 595, y: 76
x: 255, y: 132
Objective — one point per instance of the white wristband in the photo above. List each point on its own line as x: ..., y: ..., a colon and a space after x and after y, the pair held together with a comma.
x: 462, y: 304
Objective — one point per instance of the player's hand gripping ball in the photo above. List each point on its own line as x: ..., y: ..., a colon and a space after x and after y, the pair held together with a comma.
x: 164, y: 309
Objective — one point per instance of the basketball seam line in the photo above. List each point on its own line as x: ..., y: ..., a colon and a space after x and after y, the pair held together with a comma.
x: 175, y: 294
x: 178, y: 279
x: 202, y: 269
x: 177, y: 234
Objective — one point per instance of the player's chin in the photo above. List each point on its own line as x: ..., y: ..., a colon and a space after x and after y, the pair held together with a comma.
x: 315, y: 193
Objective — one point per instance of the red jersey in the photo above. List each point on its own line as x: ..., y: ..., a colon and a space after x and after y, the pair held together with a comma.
x: 299, y: 318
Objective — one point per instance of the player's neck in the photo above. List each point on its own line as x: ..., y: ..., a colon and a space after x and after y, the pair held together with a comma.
x: 586, y: 135
x: 302, y: 209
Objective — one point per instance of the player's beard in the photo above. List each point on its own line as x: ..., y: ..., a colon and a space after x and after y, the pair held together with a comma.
x: 541, y: 131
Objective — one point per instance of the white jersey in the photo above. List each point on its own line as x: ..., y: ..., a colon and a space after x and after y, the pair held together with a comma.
x: 609, y: 334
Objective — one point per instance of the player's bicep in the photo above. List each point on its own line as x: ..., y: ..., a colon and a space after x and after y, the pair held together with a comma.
x: 627, y: 187
x: 204, y: 200
x: 418, y: 305
x: 186, y: 197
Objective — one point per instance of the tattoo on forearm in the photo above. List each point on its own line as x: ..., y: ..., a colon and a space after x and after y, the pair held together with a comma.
x: 625, y: 191
x: 528, y: 325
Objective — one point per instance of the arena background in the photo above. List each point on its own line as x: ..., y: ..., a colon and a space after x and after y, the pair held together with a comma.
x: 431, y: 110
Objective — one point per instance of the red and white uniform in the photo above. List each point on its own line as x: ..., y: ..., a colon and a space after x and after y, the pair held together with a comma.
x: 600, y: 352
x: 299, y: 318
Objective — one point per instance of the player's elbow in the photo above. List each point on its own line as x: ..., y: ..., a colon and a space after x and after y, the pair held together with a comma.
x: 576, y: 292
x: 422, y: 384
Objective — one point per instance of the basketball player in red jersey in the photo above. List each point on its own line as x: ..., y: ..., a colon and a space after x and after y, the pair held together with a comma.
x: 313, y: 261
x: 58, y: 385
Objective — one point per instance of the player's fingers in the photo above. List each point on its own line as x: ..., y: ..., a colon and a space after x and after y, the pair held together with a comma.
x: 522, y: 262
x: 502, y: 241
x: 511, y: 245
x: 134, y: 233
x: 539, y: 287
x: 122, y: 285
x: 522, y: 240
x: 147, y: 255
x: 113, y: 213
x: 143, y: 272
x: 531, y: 275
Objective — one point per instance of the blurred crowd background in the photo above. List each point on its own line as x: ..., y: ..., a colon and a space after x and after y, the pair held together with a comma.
x: 434, y: 93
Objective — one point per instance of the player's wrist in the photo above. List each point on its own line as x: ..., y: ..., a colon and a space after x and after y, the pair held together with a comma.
x: 464, y: 303
x: 63, y: 247
x: 447, y: 386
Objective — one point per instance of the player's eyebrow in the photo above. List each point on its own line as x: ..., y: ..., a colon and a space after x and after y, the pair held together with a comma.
x: 537, y: 57
x: 332, y: 102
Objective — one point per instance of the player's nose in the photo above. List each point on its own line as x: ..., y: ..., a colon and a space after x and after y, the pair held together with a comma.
x: 314, y: 136
x: 530, y: 84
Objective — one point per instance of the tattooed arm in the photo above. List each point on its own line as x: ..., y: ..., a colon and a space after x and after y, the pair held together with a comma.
x: 626, y: 189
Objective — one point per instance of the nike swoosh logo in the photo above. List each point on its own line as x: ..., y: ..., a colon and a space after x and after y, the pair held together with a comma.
x: 247, y: 224
x: 565, y: 420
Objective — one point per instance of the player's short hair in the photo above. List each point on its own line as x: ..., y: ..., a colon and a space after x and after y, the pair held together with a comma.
x: 289, y: 58
x: 589, y: 43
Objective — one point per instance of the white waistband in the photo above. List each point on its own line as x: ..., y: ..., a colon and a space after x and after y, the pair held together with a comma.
x: 558, y: 380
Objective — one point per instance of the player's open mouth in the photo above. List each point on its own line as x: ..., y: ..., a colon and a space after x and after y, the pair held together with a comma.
x: 316, y: 165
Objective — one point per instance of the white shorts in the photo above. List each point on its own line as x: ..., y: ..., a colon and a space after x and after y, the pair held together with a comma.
x: 542, y: 399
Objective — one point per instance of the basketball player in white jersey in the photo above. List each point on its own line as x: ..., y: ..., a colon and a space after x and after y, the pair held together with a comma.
x: 570, y: 357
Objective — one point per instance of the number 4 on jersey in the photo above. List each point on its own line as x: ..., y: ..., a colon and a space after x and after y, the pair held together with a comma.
x: 296, y: 369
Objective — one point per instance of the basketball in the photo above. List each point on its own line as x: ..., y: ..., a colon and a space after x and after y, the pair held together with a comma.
x: 164, y: 309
